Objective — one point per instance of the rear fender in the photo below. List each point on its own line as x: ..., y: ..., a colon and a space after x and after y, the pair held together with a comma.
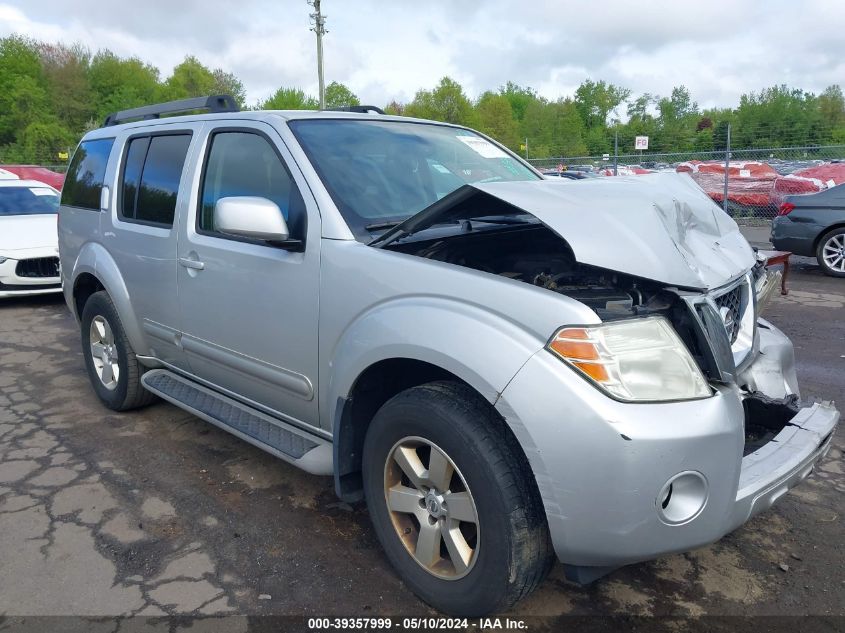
x: 94, y: 259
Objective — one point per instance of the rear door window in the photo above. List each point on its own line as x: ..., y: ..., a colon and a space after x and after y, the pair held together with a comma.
x: 150, y: 179
x: 84, y: 181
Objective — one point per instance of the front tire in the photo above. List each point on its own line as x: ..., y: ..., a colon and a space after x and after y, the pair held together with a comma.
x: 453, y: 501
x: 113, y: 369
x: 831, y: 253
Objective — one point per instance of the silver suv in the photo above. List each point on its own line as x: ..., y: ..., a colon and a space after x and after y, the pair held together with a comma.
x: 506, y: 368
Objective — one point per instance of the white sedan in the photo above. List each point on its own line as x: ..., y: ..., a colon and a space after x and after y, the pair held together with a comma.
x: 29, y: 251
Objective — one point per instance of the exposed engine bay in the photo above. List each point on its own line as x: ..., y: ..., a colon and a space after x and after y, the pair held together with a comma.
x: 536, y: 255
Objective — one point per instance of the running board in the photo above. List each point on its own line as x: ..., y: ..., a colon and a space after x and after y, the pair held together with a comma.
x: 300, y: 448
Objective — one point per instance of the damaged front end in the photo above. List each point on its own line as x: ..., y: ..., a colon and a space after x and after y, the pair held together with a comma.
x: 631, y: 249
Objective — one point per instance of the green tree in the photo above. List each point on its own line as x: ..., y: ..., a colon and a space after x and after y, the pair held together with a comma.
x: 519, y: 98
x: 395, y: 108
x: 189, y: 79
x: 339, y: 96
x: 23, y: 86
x: 447, y: 102
x: 495, y: 118
x: 120, y: 84
x: 832, y: 110
x: 42, y: 141
x: 289, y: 99
x: 595, y: 100
x: 553, y: 129
x: 69, y: 86
x: 775, y: 117
x: 29, y: 104
x: 677, y: 121
x: 226, y: 83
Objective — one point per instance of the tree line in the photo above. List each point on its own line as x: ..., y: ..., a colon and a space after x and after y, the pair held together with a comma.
x: 52, y: 93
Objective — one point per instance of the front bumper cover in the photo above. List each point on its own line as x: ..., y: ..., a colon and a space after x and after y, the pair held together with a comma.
x: 600, y: 465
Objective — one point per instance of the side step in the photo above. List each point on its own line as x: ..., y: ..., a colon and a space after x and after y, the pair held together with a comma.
x: 309, y: 452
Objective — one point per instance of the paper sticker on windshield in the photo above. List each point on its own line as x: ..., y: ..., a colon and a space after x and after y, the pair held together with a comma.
x: 41, y: 191
x: 441, y: 168
x: 482, y: 147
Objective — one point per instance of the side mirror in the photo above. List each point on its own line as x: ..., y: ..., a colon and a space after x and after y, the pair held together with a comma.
x: 248, y: 216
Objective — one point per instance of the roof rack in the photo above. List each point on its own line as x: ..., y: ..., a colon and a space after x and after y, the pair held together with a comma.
x: 213, y: 103
x: 363, y: 109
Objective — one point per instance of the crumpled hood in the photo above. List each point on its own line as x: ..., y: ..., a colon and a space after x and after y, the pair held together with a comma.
x: 658, y: 226
x: 20, y: 232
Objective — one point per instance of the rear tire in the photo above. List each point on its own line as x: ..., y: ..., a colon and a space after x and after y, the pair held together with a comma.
x: 831, y: 252
x: 491, y: 544
x: 113, y: 369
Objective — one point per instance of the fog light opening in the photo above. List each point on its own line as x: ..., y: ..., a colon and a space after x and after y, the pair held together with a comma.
x: 682, y: 498
x: 667, y: 497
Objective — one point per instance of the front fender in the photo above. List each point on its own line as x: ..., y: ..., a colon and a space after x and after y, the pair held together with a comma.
x: 482, y: 348
x: 94, y: 259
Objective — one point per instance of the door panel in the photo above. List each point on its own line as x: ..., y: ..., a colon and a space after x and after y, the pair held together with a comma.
x: 249, y: 310
x: 150, y: 193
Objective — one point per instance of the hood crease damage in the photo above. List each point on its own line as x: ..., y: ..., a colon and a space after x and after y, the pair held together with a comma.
x: 658, y: 227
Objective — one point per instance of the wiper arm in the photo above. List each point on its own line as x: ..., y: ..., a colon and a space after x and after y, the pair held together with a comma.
x: 379, y: 226
x: 438, y: 212
x: 502, y: 220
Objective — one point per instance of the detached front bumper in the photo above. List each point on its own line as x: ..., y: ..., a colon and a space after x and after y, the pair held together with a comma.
x: 609, y: 472
x: 769, y: 472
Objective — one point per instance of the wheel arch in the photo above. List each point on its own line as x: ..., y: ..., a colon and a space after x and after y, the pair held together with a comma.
x: 373, y: 387
x: 825, y: 231
x: 96, y: 270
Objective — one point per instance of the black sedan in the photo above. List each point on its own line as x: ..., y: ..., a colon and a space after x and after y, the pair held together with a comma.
x: 814, y: 226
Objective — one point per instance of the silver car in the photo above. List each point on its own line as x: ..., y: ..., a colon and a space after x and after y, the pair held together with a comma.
x: 506, y: 368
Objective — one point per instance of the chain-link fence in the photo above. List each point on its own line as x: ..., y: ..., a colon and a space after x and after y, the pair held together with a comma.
x: 750, y: 184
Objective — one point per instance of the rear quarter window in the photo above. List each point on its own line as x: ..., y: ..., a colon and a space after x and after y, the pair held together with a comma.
x: 84, y: 180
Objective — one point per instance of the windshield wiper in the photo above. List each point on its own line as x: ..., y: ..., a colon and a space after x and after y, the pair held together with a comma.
x: 380, y: 226
x: 502, y: 220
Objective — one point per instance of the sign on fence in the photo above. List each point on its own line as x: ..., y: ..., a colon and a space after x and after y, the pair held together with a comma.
x: 641, y: 142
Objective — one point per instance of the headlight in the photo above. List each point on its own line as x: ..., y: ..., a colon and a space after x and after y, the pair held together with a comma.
x: 2, y: 259
x: 637, y: 360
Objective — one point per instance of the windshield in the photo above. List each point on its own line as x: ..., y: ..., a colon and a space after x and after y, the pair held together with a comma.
x: 28, y: 200
x: 382, y: 172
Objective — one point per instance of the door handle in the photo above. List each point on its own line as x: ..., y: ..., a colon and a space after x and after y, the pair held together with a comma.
x: 191, y: 263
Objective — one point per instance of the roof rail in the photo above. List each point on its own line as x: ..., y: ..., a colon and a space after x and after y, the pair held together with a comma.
x: 363, y: 109
x: 213, y: 103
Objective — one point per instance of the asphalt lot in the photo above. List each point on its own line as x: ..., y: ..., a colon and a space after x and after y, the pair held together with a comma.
x: 156, y: 512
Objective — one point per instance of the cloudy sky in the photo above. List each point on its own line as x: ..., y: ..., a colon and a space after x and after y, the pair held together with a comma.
x: 388, y: 49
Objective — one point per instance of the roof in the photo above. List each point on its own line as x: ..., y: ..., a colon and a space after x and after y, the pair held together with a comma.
x: 255, y: 115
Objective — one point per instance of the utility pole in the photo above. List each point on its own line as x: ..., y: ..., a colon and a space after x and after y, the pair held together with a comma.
x: 616, y: 153
x: 319, y: 27
x: 727, y: 168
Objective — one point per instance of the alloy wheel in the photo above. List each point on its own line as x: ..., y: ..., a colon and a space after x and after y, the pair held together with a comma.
x: 431, y: 508
x: 104, y: 353
x: 833, y: 253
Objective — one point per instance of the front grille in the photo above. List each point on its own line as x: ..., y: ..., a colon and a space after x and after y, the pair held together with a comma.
x: 22, y: 287
x: 730, y: 303
x: 38, y: 267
